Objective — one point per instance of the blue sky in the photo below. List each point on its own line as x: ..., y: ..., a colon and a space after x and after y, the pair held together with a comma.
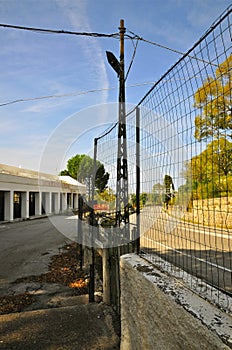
x: 35, y: 64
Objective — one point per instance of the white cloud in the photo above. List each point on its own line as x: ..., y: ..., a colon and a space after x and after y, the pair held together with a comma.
x: 44, y: 105
x: 75, y: 11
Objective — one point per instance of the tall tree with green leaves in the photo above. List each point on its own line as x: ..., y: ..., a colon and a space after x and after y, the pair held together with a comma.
x: 80, y: 167
x: 210, y: 172
x: 214, y: 161
x: 169, y: 190
x: 214, y: 101
x: 158, y: 193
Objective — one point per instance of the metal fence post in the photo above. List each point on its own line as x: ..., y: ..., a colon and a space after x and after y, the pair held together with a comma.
x: 92, y: 225
x: 138, y: 179
x: 80, y: 230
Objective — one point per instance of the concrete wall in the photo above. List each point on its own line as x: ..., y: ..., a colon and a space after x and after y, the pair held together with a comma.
x: 154, y: 316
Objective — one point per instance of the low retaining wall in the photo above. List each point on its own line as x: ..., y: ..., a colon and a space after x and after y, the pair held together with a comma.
x: 154, y: 312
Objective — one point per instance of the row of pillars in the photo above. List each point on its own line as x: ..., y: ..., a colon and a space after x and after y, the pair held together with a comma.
x: 24, y: 204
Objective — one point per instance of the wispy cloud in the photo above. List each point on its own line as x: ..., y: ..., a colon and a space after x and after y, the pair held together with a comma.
x: 76, y: 12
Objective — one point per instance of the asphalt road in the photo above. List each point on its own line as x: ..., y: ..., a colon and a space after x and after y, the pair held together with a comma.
x: 202, y: 251
x: 26, y: 248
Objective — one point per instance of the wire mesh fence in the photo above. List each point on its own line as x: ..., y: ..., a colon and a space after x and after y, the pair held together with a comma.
x: 185, y: 161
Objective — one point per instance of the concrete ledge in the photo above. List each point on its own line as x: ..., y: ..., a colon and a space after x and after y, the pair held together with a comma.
x: 160, y: 312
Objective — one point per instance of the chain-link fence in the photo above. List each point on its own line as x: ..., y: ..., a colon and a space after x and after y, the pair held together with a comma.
x: 183, y: 151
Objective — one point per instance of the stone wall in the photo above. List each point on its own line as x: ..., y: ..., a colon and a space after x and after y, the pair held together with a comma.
x: 154, y: 316
x: 215, y: 212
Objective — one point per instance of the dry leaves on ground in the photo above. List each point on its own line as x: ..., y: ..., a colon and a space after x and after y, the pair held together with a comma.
x: 63, y: 269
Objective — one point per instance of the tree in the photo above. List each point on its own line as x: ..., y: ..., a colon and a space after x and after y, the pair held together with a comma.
x: 102, y: 178
x: 107, y: 197
x: 158, y: 193
x: 213, y: 99
x: 142, y: 199
x: 220, y: 155
x: 210, y: 172
x: 169, y: 190
x: 64, y: 173
x: 214, y: 161
x: 80, y: 167
x: 133, y: 200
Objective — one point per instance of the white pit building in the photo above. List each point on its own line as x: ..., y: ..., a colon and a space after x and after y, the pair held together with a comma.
x: 27, y: 193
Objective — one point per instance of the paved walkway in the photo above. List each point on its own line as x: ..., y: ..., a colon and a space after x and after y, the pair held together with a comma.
x: 83, y: 327
x: 57, y: 320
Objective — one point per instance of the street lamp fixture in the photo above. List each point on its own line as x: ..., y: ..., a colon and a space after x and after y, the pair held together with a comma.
x: 115, y: 64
